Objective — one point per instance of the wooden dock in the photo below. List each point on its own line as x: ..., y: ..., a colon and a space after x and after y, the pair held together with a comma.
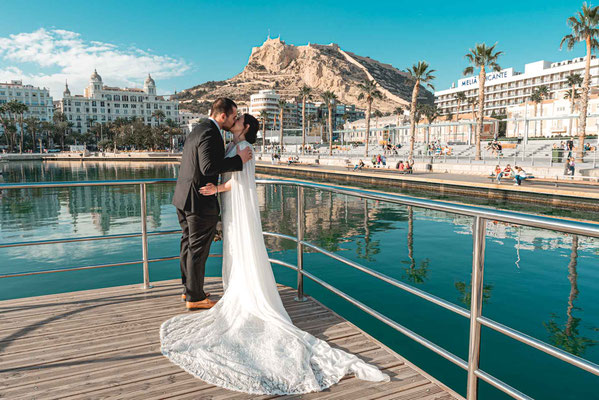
x: 104, y: 343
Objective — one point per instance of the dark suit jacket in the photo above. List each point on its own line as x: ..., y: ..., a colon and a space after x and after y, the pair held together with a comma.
x: 202, y: 162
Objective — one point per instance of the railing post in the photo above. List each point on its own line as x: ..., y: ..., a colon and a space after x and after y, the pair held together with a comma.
x: 144, y: 238
x: 476, y: 302
x: 300, y: 246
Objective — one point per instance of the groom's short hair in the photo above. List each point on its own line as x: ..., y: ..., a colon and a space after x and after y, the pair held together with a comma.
x: 222, y: 105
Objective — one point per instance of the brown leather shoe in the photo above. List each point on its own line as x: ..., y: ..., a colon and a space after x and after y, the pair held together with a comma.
x: 183, y: 296
x: 197, y: 305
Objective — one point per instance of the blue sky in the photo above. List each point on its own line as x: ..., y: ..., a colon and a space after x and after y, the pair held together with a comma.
x: 183, y: 43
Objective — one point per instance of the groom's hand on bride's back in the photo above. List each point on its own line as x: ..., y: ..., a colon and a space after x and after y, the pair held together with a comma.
x: 245, y: 154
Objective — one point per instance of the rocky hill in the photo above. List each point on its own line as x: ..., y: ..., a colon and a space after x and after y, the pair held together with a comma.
x: 286, y: 68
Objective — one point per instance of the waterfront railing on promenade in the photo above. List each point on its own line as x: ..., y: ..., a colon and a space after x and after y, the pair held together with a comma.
x: 480, y: 215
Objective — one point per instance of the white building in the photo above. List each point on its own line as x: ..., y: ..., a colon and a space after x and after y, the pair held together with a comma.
x: 265, y: 100
x: 102, y: 104
x: 187, y: 120
x: 396, y: 129
x: 559, y: 126
x: 38, y: 100
x: 508, y: 87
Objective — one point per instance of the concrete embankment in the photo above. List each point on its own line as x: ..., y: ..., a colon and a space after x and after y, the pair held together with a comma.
x: 565, y: 196
x: 124, y: 156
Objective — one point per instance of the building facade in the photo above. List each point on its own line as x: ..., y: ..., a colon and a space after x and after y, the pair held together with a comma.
x: 508, y: 88
x: 38, y: 100
x: 102, y: 104
x: 560, y: 125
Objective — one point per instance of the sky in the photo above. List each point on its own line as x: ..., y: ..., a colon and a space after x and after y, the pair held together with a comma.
x: 185, y: 43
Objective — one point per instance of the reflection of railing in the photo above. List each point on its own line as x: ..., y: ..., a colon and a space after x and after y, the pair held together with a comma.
x: 480, y: 214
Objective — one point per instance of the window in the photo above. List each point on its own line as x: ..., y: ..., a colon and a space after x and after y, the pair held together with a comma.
x: 117, y: 98
x: 102, y: 104
x: 78, y: 103
x: 94, y: 110
x: 125, y: 98
x: 108, y: 97
x: 117, y: 106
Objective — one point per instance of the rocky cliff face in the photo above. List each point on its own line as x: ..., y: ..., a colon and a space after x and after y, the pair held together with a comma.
x: 286, y: 68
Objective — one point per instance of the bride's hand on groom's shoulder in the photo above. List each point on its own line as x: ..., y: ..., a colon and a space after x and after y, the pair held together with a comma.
x: 245, y: 154
x: 208, y: 190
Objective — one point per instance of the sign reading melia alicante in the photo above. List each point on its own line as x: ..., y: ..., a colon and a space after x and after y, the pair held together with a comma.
x: 491, y: 76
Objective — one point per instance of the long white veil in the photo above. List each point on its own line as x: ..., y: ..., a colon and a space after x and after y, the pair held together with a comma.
x: 247, y: 342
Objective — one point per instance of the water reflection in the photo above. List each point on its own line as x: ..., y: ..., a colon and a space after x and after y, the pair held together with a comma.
x: 567, y: 336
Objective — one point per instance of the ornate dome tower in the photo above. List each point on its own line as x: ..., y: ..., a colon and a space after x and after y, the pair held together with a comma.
x: 95, y: 82
x: 150, y: 85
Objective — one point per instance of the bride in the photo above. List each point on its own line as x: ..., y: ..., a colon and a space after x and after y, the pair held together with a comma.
x: 247, y: 341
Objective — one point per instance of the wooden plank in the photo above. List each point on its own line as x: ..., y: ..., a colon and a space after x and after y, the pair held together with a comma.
x: 98, y: 344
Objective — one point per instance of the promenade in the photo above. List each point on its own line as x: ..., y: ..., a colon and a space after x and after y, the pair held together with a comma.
x: 566, y: 193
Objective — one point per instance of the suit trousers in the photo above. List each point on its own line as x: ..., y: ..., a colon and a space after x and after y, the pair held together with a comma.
x: 197, y: 236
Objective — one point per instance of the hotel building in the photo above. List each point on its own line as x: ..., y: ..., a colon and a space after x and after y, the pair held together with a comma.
x: 102, y: 104
x: 38, y: 100
x: 508, y: 87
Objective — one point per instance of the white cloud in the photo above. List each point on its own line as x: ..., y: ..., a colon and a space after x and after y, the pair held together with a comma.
x: 60, y: 55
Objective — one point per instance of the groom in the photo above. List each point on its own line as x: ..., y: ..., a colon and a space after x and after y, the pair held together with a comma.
x: 202, y: 162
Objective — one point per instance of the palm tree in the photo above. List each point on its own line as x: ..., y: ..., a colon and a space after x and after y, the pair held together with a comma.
x: 34, y: 125
x: 460, y: 98
x: 159, y: 116
x: 420, y: 73
x: 282, y: 105
x: 172, y: 129
x: 572, y: 95
x: 431, y: 113
x: 264, y: 117
x: 584, y: 29
x: 329, y: 99
x: 536, y: 98
x: 62, y: 124
x: 18, y: 109
x: 5, y: 121
x: 368, y: 91
x: 306, y: 94
x: 481, y: 57
x: 543, y: 92
x: 573, y: 80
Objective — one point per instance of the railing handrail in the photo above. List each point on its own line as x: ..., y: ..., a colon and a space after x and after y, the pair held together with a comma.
x: 537, y: 221
x: 480, y: 214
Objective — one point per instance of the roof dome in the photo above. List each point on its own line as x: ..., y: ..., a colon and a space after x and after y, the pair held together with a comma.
x: 149, y: 81
x: 66, y: 90
x: 95, y: 77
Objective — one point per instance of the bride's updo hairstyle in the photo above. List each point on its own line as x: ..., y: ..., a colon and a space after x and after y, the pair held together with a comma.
x: 254, y: 125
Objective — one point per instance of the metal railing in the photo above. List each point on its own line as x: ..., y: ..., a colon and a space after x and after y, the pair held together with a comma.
x: 480, y: 216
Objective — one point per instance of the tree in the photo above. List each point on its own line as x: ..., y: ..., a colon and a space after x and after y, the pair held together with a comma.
x: 264, y: 118
x: 584, y: 29
x: 61, y: 126
x: 159, y: 116
x: 481, y: 57
x: 34, y: 125
x: 420, y: 73
x: 172, y: 129
x: 329, y: 98
x: 306, y: 94
x: 431, y: 113
x: 573, y: 80
x: 460, y: 97
x: 368, y: 91
x: 543, y: 92
x: 18, y: 109
x: 536, y: 98
x: 282, y: 106
x: 7, y: 124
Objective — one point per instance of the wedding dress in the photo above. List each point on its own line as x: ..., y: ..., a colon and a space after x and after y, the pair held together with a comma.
x: 247, y: 341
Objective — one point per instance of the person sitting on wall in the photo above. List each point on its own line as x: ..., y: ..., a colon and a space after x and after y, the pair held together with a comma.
x: 401, y: 166
x: 519, y: 176
x: 496, y: 171
x: 408, y: 166
x: 359, y: 165
x: 507, y: 171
